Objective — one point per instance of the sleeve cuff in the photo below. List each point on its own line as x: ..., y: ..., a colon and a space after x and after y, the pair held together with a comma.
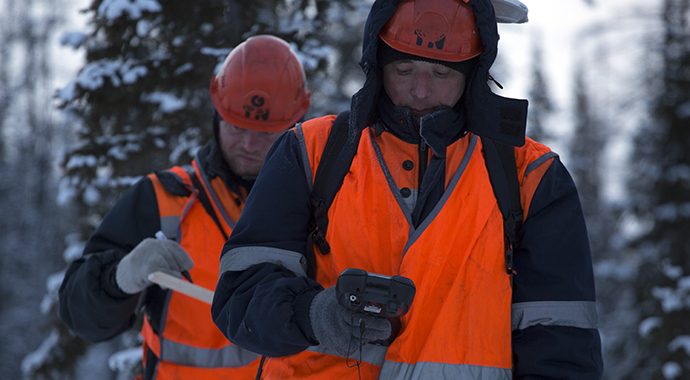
x: 109, y: 284
x: 301, y: 306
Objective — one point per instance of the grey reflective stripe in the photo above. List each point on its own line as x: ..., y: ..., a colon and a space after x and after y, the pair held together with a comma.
x: 582, y: 314
x: 170, y: 225
x: 225, y: 357
x: 305, y: 157
x: 446, y: 194
x: 391, y: 183
x: 212, y: 194
x: 428, y: 370
x: 536, y: 163
x: 371, y: 353
x: 241, y: 258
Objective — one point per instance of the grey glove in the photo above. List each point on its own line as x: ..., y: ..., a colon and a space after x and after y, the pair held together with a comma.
x: 151, y: 255
x: 339, y: 329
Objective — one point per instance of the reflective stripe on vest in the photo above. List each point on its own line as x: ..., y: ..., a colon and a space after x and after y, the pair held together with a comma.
x: 189, y: 344
x: 228, y: 356
x: 538, y: 162
x: 170, y: 218
x: 305, y: 158
x: 215, y: 200
x: 418, y: 371
x: 168, y: 351
x: 371, y: 353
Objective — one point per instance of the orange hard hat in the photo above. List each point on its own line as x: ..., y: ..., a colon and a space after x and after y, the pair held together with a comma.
x: 261, y: 86
x: 444, y: 30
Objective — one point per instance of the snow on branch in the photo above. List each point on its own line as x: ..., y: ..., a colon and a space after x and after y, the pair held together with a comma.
x: 167, y: 103
x: 73, y: 39
x: 681, y: 341
x: 35, y: 360
x: 673, y: 299
x: 114, y: 9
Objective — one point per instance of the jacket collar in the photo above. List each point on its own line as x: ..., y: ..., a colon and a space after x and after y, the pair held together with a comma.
x: 438, y: 129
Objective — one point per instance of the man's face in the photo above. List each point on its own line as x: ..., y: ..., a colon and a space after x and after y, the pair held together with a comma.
x: 422, y: 86
x: 244, y: 150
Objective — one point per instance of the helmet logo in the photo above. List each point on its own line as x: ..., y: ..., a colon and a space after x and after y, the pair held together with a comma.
x: 438, y: 43
x: 255, y: 108
x: 258, y: 101
x: 431, y: 30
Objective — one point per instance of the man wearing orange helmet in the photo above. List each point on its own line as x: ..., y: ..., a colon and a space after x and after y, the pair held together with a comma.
x: 177, y: 220
x: 434, y: 181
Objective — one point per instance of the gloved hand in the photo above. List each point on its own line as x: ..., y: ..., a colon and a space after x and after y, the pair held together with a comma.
x: 151, y: 255
x: 337, y: 328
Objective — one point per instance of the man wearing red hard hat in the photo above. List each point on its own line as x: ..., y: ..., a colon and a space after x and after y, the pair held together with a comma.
x: 444, y: 243
x: 177, y: 220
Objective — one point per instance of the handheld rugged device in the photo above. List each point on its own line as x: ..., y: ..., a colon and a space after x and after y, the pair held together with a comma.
x: 374, y: 294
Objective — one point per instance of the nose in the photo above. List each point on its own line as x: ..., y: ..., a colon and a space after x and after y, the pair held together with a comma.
x: 252, y: 141
x: 421, y: 86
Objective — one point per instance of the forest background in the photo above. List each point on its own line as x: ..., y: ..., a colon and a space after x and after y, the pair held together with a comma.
x: 95, y: 94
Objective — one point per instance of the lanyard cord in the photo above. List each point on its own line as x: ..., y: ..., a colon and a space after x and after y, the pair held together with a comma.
x: 362, y: 326
x: 361, y: 342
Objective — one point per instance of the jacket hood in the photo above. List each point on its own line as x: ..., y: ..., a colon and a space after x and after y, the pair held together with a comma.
x: 488, y: 115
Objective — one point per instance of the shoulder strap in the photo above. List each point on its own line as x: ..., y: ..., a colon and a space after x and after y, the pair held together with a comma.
x: 502, y: 168
x: 328, y: 178
x: 172, y: 183
x: 206, y: 202
x: 175, y: 185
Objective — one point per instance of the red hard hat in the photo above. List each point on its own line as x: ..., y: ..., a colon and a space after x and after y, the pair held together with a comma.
x: 445, y: 30
x: 261, y: 86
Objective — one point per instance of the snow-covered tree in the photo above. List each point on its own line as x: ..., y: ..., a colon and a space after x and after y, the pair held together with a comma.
x: 586, y: 162
x: 143, y: 94
x: 540, y: 105
x: 588, y: 166
x: 662, y: 204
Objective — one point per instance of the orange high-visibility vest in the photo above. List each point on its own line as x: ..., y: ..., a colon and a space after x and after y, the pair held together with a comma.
x: 459, y: 325
x: 190, y: 346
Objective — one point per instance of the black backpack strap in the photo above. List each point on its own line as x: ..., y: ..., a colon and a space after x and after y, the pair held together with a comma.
x: 333, y: 166
x: 502, y: 168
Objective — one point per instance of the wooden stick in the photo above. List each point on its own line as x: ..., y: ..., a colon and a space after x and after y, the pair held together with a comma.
x: 184, y: 287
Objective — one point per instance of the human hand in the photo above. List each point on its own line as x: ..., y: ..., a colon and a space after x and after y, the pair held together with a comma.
x: 340, y: 329
x: 149, y: 256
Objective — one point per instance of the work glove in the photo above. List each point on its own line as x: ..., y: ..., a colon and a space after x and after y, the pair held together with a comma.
x: 341, y: 330
x: 151, y: 255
